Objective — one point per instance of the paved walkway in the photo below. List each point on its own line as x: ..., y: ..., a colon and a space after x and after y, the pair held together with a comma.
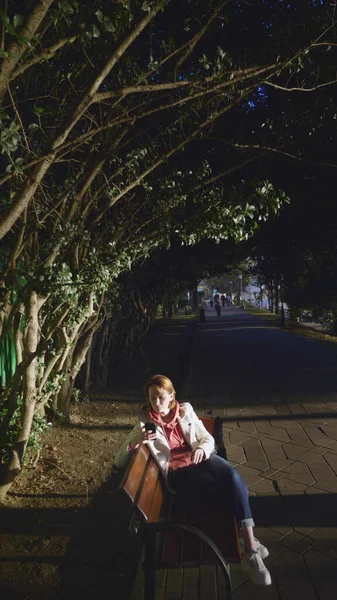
x: 277, y: 393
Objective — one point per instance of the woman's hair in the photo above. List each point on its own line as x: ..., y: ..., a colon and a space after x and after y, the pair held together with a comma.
x: 159, y: 381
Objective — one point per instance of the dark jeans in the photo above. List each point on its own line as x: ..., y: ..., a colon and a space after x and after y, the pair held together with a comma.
x: 215, y: 478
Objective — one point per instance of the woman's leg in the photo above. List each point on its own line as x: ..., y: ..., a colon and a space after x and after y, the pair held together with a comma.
x: 216, y: 477
x: 230, y: 480
x: 246, y: 533
x: 230, y: 483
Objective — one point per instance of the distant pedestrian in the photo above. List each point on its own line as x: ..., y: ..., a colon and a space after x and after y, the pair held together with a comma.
x: 223, y: 299
x: 211, y: 301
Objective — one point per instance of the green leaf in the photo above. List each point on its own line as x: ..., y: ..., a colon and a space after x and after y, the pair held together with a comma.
x: 146, y: 6
x: 99, y: 15
x: 23, y: 39
x: 5, y: 18
x: 3, y: 54
x: 18, y: 21
x: 95, y: 31
x: 108, y: 25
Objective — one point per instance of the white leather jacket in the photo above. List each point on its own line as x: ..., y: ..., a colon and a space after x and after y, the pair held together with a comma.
x: 193, y: 431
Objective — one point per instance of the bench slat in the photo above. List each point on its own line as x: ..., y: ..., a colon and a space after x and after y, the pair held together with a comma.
x: 208, y: 424
x: 148, y: 489
x: 157, y: 503
x: 221, y: 527
x: 134, y: 475
x: 192, y: 546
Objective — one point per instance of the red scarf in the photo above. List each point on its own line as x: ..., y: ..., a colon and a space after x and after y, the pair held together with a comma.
x: 180, y: 450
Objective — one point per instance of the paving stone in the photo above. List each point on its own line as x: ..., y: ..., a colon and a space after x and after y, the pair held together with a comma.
x: 236, y: 453
x: 275, y: 454
x: 248, y: 426
x: 238, y: 576
x: 305, y: 436
x: 284, y: 423
x: 218, y: 412
x: 333, y: 447
x: 316, y: 436
x: 264, y: 409
x: 264, y: 486
x: 282, y: 531
x: 174, y: 584
x: 287, y: 486
x: 331, y: 459
x: 276, y: 475
x: 191, y: 592
x: 291, y: 577
x: 282, y: 409
x: 256, y: 457
x: 320, y: 469
x: 266, y: 535
x: 314, y: 490
x: 207, y: 583
x: 304, y: 545
x: 327, y: 548
x: 300, y: 472
x: 318, y: 450
x: 225, y: 437
x: 191, y: 576
x: 291, y: 539
x: 269, y: 472
x: 304, y: 530
x: 276, y: 433
x: 299, y: 436
x: 232, y: 411
x: 250, y: 476
x: 325, y: 534
x: 275, y: 550
x: 160, y: 584
x: 296, y: 409
x: 322, y: 571
x: 238, y: 437
x: 250, y: 591
x: 294, y: 452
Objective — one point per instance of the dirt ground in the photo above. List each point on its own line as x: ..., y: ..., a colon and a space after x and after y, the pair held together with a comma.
x: 75, y: 463
x: 63, y: 529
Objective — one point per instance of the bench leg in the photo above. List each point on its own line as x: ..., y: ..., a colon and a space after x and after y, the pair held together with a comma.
x: 149, y: 564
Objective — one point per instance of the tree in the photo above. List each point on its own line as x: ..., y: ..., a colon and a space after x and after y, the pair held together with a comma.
x: 107, y: 124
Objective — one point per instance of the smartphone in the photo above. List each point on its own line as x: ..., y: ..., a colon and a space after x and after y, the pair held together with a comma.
x: 150, y: 427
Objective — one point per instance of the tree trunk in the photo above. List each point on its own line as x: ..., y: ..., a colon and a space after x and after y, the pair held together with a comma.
x: 31, y: 336
x: 72, y: 365
x: 277, y: 299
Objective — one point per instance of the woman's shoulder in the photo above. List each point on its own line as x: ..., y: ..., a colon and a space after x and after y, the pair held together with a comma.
x: 186, y: 408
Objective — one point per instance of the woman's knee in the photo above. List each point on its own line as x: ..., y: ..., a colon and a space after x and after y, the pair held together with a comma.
x: 228, y: 473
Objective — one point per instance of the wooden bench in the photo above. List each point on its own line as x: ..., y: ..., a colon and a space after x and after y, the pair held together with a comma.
x: 177, y: 534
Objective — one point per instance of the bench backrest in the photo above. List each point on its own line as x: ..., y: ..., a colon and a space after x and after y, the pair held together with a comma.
x: 141, y: 481
x: 142, y: 484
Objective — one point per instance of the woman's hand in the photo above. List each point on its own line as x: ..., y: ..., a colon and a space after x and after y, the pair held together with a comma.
x: 197, y: 456
x: 149, y: 436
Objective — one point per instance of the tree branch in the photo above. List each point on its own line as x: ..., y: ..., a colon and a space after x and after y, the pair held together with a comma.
x: 48, y: 53
x: 276, y: 150
x: 16, y: 49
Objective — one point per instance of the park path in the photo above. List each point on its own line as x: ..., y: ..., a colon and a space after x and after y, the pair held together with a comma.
x: 277, y: 395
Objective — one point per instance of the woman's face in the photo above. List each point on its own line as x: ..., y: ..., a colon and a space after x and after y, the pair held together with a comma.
x: 160, y: 400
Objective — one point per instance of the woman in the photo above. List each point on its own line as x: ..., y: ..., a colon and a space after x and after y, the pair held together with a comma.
x: 184, y: 452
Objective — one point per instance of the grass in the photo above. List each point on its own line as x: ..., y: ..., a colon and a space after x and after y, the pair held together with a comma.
x: 291, y: 326
x: 180, y: 316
